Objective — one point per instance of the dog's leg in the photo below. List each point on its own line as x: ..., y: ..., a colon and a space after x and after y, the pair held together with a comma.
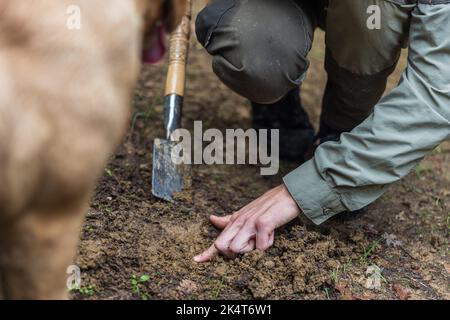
x: 36, y: 250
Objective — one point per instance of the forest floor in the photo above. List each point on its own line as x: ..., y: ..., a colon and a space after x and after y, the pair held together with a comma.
x: 134, y: 246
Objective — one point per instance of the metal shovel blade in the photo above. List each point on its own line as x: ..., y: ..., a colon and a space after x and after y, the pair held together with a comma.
x: 168, y: 178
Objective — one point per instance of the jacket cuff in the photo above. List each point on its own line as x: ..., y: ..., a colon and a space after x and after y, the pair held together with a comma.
x: 318, y: 201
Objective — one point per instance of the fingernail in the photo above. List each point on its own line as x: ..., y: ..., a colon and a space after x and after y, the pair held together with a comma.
x: 197, y: 258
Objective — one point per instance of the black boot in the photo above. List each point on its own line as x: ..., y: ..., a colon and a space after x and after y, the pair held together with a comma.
x: 287, y: 115
x: 326, y: 133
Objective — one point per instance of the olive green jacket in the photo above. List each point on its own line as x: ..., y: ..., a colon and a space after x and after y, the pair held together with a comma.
x: 406, y: 125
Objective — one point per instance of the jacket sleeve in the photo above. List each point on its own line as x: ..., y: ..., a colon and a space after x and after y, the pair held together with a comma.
x: 405, y: 126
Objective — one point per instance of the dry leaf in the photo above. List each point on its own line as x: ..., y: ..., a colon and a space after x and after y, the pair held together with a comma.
x: 402, y: 292
x: 364, y: 296
x: 344, y: 290
x: 391, y: 240
x: 447, y: 267
x: 401, y: 216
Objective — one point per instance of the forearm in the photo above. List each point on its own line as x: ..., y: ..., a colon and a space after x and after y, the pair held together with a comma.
x: 405, y: 126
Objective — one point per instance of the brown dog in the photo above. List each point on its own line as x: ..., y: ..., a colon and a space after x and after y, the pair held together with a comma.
x: 64, y: 105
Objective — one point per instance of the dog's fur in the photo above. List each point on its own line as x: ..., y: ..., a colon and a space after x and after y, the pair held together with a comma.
x: 64, y: 106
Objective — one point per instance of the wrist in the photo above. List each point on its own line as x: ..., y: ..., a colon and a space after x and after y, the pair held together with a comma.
x: 290, y: 201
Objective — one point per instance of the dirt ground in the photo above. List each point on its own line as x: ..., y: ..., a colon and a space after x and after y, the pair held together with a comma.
x: 134, y: 246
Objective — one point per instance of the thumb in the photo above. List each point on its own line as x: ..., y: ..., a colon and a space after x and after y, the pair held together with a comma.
x: 220, y: 222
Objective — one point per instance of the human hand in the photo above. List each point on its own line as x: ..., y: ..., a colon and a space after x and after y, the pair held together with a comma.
x: 252, y: 227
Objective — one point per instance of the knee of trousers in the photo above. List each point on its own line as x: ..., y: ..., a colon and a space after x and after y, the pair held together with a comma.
x: 366, y: 37
x: 259, y: 47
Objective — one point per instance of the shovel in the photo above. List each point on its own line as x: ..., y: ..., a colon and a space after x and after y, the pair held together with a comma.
x: 169, y: 178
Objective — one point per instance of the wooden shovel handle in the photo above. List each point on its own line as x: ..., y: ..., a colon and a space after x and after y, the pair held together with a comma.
x: 179, y: 47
